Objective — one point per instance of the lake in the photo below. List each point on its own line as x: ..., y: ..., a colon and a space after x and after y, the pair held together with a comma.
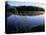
x: 24, y: 22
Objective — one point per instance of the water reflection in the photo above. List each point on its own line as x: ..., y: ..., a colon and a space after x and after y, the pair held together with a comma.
x: 35, y: 20
x: 23, y: 23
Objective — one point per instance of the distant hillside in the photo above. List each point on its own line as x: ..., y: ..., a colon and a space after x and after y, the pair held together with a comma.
x: 29, y: 8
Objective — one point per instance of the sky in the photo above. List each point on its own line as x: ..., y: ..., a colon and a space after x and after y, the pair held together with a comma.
x: 41, y: 1
x: 18, y: 3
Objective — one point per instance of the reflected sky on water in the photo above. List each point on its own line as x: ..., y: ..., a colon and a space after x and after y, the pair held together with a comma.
x: 26, y: 20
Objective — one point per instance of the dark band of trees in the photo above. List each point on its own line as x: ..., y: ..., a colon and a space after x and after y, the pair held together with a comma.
x: 29, y: 8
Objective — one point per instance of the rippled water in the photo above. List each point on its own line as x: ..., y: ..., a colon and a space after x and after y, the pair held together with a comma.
x: 24, y: 22
x: 26, y: 19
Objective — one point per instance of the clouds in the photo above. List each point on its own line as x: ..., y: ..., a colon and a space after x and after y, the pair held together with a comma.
x: 41, y: 1
x: 15, y: 3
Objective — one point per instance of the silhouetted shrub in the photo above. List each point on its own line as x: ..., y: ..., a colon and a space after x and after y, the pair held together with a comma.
x: 38, y: 28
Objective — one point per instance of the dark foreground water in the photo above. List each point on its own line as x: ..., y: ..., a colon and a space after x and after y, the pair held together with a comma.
x: 23, y: 22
